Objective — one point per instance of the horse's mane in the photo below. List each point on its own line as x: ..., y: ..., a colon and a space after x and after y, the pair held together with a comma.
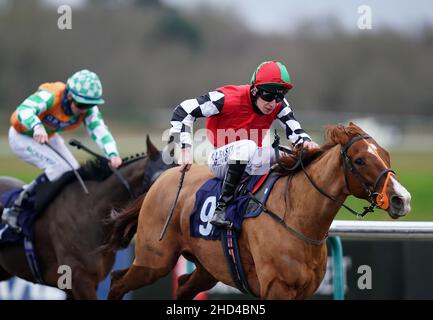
x: 97, y: 170
x: 334, y: 135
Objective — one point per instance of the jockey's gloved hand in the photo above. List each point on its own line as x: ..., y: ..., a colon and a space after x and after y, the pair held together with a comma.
x: 39, y: 134
x: 115, y: 162
x: 185, y: 159
x: 310, y: 145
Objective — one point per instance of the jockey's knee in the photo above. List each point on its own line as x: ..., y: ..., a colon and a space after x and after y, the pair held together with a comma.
x: 250, y: 145
x: 244, y: 151
x: 73, y: 162
x: 55, y: 173
x: 261, y: 162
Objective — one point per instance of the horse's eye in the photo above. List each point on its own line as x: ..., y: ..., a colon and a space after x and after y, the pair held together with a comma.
x: 359, y: 162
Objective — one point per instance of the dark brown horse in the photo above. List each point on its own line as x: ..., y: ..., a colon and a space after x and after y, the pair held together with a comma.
x: 277, y: 264
x: 72, y: 228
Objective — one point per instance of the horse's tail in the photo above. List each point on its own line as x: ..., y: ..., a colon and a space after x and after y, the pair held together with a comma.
x: 123, y: 226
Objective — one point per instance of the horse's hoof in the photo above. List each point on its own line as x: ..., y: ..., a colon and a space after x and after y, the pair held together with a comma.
x: 117, y: 274
x: 112, y: 296
x: 115, y: 294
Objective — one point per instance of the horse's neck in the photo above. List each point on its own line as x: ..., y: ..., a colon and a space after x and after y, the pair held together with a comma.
x: 111, y: 191
x: 310, y: 211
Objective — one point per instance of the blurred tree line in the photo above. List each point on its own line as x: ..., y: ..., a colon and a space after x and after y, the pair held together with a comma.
x: 151, y: 57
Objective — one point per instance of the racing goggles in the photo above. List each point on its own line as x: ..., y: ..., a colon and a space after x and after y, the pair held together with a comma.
x: 269, y: 96
x: 83, y: 106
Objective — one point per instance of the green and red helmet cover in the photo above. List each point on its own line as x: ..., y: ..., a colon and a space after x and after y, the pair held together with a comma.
x: 272, y: 73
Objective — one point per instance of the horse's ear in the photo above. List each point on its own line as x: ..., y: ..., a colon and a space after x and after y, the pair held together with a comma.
x: 356, y: 129
x: 351, y: 124
x: 152, y: 151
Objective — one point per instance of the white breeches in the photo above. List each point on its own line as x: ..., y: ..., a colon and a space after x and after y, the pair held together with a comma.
x: 41, y: 156
x: 258, y: 160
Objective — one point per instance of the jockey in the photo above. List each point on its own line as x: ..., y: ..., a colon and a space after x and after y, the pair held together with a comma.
x: 238, y: 118
x: 53, y: 108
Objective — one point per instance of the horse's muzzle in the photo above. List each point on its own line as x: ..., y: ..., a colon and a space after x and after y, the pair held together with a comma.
x: 399, y: 206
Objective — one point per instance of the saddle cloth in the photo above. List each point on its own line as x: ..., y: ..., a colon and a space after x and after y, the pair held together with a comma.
x: 26, y: 218
x: 240, y: 208
x: 45, y: 192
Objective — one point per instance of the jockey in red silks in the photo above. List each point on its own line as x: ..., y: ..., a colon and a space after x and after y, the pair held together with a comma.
x: 238, y: 118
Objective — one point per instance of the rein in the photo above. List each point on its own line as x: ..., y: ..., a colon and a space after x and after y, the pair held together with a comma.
x: 281, y: 221
x: 376, y: 199
x: 105, y: 161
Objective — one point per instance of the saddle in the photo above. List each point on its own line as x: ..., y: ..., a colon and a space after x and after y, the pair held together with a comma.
x: 45, y: 192
x: 31, y: 207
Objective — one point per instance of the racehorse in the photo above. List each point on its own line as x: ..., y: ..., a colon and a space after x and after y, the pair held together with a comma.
x: 72, y: 228
x: 277, y: 264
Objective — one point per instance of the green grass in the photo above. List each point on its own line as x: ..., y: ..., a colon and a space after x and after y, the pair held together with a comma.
x: 415, y: 172
x: 13, y: 168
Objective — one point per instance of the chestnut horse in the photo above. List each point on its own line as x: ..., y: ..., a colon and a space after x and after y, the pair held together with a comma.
x: 73, y: 227
x: 278, y: 264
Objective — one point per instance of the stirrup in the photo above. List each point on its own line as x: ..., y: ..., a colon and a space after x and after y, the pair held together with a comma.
x: 16, y: 229
x: 8, y: 217
x: 219, y: 221
x: 224, y: 224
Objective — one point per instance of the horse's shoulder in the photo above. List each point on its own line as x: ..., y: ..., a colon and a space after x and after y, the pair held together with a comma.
x: 199, y: 174
x: 201, y: 169
x: 196, y: 170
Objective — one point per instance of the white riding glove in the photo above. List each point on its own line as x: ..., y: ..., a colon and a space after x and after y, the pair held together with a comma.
x: 40, y: 134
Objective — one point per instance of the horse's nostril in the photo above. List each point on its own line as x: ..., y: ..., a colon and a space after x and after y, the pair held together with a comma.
x: 397, y: 202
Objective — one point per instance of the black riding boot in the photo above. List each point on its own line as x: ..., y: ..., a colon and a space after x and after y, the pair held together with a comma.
x: 230, y: 183
x: 10, y: 215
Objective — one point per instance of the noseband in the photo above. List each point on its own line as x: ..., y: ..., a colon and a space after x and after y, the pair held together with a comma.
x: 376, y: 199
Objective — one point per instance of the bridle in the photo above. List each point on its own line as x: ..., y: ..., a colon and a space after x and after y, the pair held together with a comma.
x: 376, y: 199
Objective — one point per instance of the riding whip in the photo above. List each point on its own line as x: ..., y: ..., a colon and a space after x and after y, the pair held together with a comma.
x: 79, y: 145
x: 164, y: 229
x: 275, y: 145
x: 77, y: 175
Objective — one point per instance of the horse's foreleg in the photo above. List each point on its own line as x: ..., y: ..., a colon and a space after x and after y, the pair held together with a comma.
x: 189, y: 285
x: 133, y: 278
x: 117, y: 274
x: 84, y: 285
x: 279, y: 290
x: 183, y: 278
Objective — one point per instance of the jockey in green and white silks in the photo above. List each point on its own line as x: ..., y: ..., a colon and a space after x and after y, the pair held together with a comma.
x: 53, y: 108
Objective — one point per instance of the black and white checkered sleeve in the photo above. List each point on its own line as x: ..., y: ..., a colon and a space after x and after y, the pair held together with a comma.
x: 185, y: 114
x: 294, y: 132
